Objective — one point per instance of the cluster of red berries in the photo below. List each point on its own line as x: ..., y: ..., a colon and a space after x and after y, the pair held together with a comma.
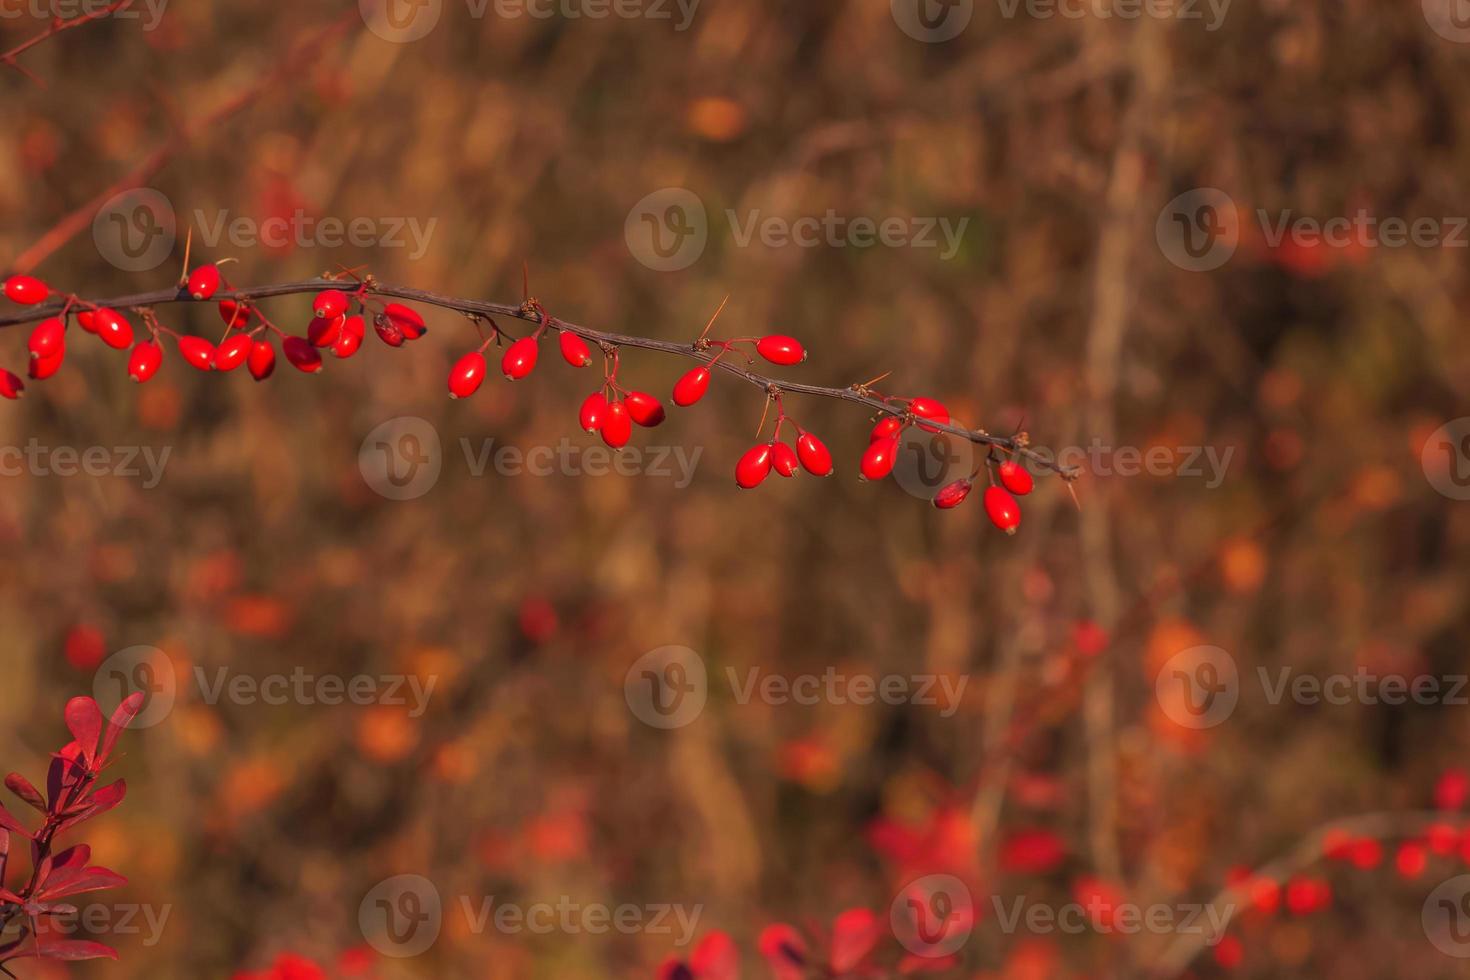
x: 333, y: 327
x: 611, y: 411
x: 339, y: 325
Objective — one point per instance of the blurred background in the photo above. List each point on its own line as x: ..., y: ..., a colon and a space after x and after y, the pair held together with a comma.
x: 1097, y: 225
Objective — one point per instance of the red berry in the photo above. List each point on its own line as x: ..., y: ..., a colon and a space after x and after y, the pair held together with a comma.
x: 779, y: 349
x: 1266, y: 895
x: 324, y: 330
x: 302, y: 355
x: 48, y: 338
x: 198, y: 352
x: 1015, y: 478
x: 331, y: 304
x: 1443, y: 838
x: 879, y: 459
x: 593, y: 413
x: 204, y: 281
x: 87, y: 320
x: 232, y: 352
x: 467, y: 375
x: 617, y: 427
x: 953, y: 495
x: 262, y: 360
x: 753, y: 467
x: 354, y: 328
x: 11, y: 386
x: 519, y: 359
x: 1412, y: 859
x: 389, y: 331
x: 1307, y: 895
x: 888, y: 427
x: 1229, y: 953
x: 1452, y: 789
x: 406, y: 320
x: 26, y: 290
x: 235, y: 315
x: 928, y: 408
x: 115, y: 331
x: 144, y: 361
x: 644, y: 409
x: 43, y: 367
x: 783, y: 459
x: 1003, y: 510
x: 574, y: 350
x: 691, y: 388
x: 1366, y: 853
x: 814, y: 455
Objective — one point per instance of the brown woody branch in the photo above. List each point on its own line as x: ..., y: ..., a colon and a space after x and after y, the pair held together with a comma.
x: 1018, y: 444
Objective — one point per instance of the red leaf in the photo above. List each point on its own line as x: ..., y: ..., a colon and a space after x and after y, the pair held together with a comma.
x: 784, y: 950
x: 67, y: 882
x: 21, y: 786
x: 7, y: 822
x: 121, y: 718
x: 103, y: 800
x: 84, y: 719
x: 56, y: 948
x: 77, y: 856
x: 854, y: 934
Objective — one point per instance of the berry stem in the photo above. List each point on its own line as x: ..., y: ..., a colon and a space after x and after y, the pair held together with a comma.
x: 857, y: 394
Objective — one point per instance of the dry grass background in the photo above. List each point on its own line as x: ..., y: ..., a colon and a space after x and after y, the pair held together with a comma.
x: 262, y: 549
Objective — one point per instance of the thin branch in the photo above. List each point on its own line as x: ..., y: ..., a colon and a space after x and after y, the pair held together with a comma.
x: 1017, y: 444
x: 58, y: 26
x: 1308, y: 851
x: 80, y: 219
